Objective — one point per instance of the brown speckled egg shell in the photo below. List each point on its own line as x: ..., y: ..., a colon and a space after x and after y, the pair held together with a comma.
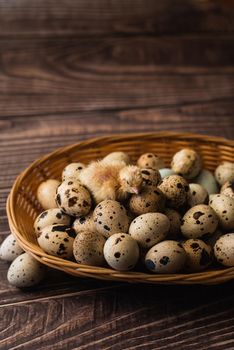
x: 175, y: 188
x: 150, y: 199
x: 175, y: 223
x: 46, y: 193
x: 228, y: 189
x: 224, y: 172
x: 110, y: 217
x: 51, y: 217
x: 224, y: 209
x: 199, y: 221
x: 84, y: 223
x: 88, y: 248
x: 187, y: 163
x: 224, y: 249
x: 198, y: 255
x: 73, y: 198
x: 151, y: 177
x: 197, y: 195
x: 150, y: 160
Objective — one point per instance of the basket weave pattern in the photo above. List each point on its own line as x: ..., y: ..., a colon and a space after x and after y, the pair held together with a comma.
x: 23, y: 207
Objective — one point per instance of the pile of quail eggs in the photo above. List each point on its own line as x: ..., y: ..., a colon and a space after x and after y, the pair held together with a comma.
x: 182, y: 220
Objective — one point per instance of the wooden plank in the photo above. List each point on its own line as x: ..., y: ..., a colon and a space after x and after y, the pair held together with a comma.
x: 43, y: 18
x: 157, y: 317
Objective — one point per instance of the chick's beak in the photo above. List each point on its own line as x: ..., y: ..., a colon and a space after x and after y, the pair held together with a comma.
x: 135, y: 190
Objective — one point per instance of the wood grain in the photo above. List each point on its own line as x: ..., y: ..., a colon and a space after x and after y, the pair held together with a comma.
x: 70, y: 70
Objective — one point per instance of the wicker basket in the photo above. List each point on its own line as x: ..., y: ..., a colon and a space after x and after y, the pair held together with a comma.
x: 23, y: 207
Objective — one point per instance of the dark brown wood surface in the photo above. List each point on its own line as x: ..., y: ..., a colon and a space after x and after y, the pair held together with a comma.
x: 70, y: 70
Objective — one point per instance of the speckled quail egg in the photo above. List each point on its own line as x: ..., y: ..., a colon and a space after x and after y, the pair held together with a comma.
x: 224, y: 249
x: 88, y: 248
x: 228, y: 189
x: 149, y: 229
x: 151, y: 177
x: 57, y: 240
x: 150, y: 160
x: 10, y: 249
x: 164, y: 172
x: 197, y: 195
x: 211, y: 240
x: 224, y: 209
x: 199, y: 221
x: 207, y: 180
x: 198, y: 255
x: 25, y: 271
x: 187, y: 163
x: 116, y: 157
x: 224, y: 172
x: 110, y: 217
x: 72, y: 171
x: 84, y: 223
x: 175, y: 188
x: 150, y: 199
x: 46, y: 193
x: 121, y: 252
x: 73, y: 198
x: 166, y: 257
x: 51, y: 217
x: 175, y: 222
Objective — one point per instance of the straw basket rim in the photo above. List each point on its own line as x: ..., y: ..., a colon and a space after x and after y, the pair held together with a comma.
x: 214, y: 276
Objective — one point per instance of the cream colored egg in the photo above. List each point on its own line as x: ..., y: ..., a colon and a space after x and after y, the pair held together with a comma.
x: 197, y: 195
x: 117, y: 157
x: 150, y: 160
x: 84, y: 223
x: 151, y: 177
x: 10, y: 249
x: 46, y: 193
x: 149, y: 200
x: 175, y: 188
x: 25, y: 271
x: 110, y: 217
x: 149, y: 229
x: 72, y: 171
x: 121, y: 252
x: 88, y: 248
x: 187, y: 163
x: 224, y: 209
x: 51, y: 217
x: 224, y: 249
x: 165, y: 257
x: 198, y: 255
x: 228, y: 189
x: 224, y: 172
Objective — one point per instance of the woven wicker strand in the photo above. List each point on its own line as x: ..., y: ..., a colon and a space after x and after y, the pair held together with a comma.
x: 23, y: 207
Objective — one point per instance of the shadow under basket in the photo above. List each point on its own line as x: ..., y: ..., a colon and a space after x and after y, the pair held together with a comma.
x: 23, y: 207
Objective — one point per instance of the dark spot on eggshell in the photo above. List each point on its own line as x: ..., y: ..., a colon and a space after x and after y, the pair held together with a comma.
x: 60, y: 228
x: 148, y: 240
x: 186, y: 187
x: 106, y: 227
x: 179, y: 185
x: 193, y: 193
x: 58, y: 199
x: 195, y: 246
x: 72, y: 201
x: 117, y: 255
x: 82, y: 219
x: 85, y: 204
x: 205, y: 257
x: 145, y: 172
x: 66, y: 240
x: 46, y: 236
x: 164, y: 260
x: 59, y: 216
x: 150, y: 264
x: 147, y: 205
x: 197, y: 215
x: 118, y: 240
x: 70, y: 183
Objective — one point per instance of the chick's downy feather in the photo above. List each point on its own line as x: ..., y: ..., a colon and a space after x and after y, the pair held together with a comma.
x: 102, y: 179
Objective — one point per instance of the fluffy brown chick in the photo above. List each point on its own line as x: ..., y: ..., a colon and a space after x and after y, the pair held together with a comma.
x: 111, y: 181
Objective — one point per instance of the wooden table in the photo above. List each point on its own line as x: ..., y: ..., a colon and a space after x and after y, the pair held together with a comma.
x: 70, y: 70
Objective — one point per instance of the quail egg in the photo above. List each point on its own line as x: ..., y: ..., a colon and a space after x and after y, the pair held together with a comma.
x: 187, y: 163
x: 207, y: 180
x: 117, y: 157
x: 150, y: 199
x: 151, y: 177
x: 73, y: 198
x: 224, y: 172
x: 166, y: 257
x: 199, y: 221
x: 72, y: 171
x: 10, y: 249
x: 175, y: 223
x: 197, y: 195
x: 175, y: 188
x: 110, y: 217
x: 224, y: 249
x: 25, y: 271
x: 88, y: 248
x: 121, y: 252
x: 57, y: 240
x: 198, y: 255
x: 164, y: 172
x: 149, y: 229
x: 224, y: 209
x: 228, y: 189
x: 51, y: 217
x: 150, y: 160
x: 46, y: 193
x: 84, y: 223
